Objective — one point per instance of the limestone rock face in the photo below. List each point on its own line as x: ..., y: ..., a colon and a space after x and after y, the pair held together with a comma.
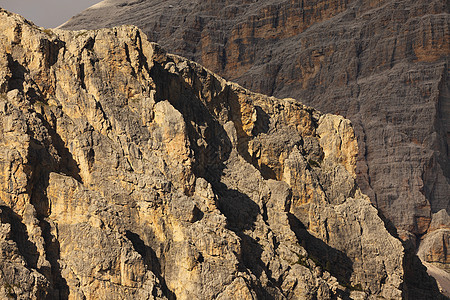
x: 433, y: 246
x: 383, y: 64
x: 129, y: 173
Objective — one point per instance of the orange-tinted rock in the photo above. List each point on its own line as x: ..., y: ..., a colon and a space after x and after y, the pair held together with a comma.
x: 381, y: 63
x: 142, y: 175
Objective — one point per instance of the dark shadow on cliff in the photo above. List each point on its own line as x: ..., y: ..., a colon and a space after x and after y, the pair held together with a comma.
x: 417, y: 283
x: 41, y: 161
x: 151, y: 261
x: 206, y: 105
x: 18, y: 74
x: 241, y: 213
x: 390, y: 227
x: 240, y: 210
x: 19, y: 235
x: 200, y: 116
x: 204, y: 111
x: 59, y: 283
x: 332, y: 260
x: 40, y: 164
x: 201, y: 124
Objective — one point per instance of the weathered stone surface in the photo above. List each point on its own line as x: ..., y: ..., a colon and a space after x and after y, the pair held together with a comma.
x: 19, y: 280
x: 442, y: 277
x: 129, y: 173
x: 433, y: 246
x: 383, y: 64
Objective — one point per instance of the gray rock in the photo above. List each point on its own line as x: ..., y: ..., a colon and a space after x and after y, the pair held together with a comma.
x: 129, y: 173
x: 382, y: 64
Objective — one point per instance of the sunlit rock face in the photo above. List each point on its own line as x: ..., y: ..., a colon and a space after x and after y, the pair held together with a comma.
x: 129, y: 173
x: 382, y: 64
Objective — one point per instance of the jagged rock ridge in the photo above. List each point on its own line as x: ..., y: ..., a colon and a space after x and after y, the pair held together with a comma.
x: 383, y: 64
x: 129, y: 173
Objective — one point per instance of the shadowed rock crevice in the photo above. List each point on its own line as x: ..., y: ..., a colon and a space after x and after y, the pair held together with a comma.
x: 19, y: 235
x: 260, y: 126
x: 41, y: 163
x: 18, y: 74
x: 175, y: 199
x: 382, y: 64
x: 332, y: 260
x: 209, y: 160
x: 52, y: 245
x: 242, y: 213
x: 240, y: 210
x: 20, y: 259
x: 51, y: 48
x: 208, y: 157
x: 46, y: 153
x: 418, y: 284
x: 151, y: 261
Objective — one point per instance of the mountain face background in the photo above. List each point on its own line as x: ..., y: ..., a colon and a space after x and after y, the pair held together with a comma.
x: 382, y: 64
x: 129, y: 173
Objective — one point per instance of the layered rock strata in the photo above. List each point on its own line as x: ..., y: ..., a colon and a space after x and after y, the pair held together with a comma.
x: 129, y: 173
x: 383, y: 64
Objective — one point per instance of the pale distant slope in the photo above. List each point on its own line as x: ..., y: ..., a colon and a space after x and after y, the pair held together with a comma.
x: 101, y: 5
x: 46, y: 13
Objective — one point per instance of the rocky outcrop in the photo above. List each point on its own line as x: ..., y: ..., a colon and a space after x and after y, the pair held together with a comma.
x: 129, y: 173
x: 383, y: 64
x: 433, y: 246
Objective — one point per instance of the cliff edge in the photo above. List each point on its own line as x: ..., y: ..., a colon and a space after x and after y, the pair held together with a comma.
x: 383, y: 64
x: 129, y: 173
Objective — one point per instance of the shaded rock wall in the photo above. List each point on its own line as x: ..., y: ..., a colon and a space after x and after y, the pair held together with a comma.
x: 382, y: 64
x: 129, y: 173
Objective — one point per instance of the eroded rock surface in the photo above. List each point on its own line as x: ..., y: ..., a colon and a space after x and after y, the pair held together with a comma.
x: 129, y: 173
x: 433, y: 246
x: 383, y: 64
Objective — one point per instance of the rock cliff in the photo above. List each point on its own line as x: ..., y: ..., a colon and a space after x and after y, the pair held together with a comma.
x: 383, y: 64
x: 129, y: 173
